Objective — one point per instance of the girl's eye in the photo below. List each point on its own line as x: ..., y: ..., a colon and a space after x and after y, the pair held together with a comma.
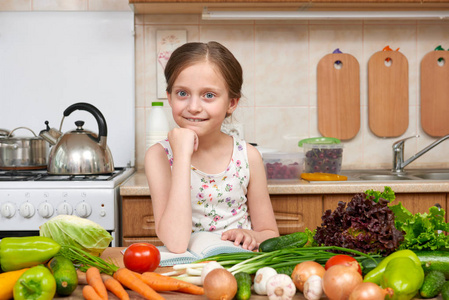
x: 182, y: 93
x: 209, y: 95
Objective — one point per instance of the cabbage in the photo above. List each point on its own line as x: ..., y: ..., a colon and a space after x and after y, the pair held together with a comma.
x: 68, y: 230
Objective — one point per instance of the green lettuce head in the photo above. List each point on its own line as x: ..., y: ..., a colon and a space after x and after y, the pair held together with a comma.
x: 68, y: 230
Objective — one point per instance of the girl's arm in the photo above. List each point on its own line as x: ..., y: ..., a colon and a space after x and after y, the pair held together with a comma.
x: 259, y: 206
x: 170, y: 189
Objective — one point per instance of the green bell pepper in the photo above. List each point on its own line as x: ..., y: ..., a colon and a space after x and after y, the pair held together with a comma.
x: 23, y: 252
x: 404, y: 277
x: 375, y: 275
x: 37, y: 283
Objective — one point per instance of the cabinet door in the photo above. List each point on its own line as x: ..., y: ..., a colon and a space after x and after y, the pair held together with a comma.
x: 413, y: 202
x: 152, y: 240
x: 138, y: 220
x: 296, y: 212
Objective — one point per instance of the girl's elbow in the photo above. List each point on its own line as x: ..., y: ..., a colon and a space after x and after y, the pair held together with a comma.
x: 177, y: 249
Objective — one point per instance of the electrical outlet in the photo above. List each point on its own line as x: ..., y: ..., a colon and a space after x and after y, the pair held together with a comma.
x: 235, y: 129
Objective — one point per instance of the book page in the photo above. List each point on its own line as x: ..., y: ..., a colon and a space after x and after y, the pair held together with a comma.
x: 204, y: 244
x: 169, y: 258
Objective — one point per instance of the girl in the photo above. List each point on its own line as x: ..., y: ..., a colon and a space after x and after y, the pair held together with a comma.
x: 201, y: 178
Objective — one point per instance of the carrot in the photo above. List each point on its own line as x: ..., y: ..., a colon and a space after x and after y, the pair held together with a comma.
x: 185, y: 287
x: 131, y: 281
x: 93, y: 278
x: 116, y: 288
x: 90, y: 294
x: 161, y: 283
x: 192, y: 289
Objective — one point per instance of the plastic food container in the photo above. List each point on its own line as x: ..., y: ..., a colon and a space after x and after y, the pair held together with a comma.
x: 283, y: 166
x: 322, y: 154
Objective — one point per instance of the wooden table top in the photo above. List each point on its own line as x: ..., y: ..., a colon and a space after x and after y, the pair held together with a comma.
x: 114, y: 254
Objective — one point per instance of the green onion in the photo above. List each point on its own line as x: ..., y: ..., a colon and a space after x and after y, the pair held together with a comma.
x: 283, y: 259
x: 86, y: 260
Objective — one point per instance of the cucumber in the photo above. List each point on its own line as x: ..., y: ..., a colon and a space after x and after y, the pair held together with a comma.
x: 433, y: 282
x: 243, y: 286
x: 434, y: 261
x: 445, y: 291
x: 65, y: 275
x: 293, y: 240
x: 368, y: 264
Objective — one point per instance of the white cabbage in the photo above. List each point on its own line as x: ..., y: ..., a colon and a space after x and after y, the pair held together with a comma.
x: 68, y: 230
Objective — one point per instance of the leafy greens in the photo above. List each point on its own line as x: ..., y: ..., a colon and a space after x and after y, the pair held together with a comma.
x: 366, y: 224
x: 387, y: 194
x: 422, y: 231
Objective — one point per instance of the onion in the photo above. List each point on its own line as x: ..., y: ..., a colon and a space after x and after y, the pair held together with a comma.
x: 220, y: 284
x: 303, y: 271
x: 340, y: 280
x: 370, y: 291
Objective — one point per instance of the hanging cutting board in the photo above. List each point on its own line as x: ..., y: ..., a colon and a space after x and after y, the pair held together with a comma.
x: 338, y: 95
x: 388, y: 93
x: 435, y: 93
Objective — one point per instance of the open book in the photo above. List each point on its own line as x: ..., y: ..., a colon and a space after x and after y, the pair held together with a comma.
x: 202, y: 244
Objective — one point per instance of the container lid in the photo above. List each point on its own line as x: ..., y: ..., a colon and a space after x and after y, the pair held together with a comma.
x: 157, y: 103
x: 319, y: 140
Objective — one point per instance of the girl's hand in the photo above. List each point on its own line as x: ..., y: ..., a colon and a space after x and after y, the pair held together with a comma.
x: 183, y: 140
x: 241, y: 236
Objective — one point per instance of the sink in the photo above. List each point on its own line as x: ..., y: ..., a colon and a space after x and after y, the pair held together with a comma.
x: 382, y: 177
x: 433, y: 176
x: 388, y: 175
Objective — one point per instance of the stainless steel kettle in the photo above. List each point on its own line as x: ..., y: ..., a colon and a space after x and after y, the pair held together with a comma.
x: 79, y: 152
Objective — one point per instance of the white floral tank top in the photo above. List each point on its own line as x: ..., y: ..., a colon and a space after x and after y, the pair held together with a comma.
x: 219, y: 200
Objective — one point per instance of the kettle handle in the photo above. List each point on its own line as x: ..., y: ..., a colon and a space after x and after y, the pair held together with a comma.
x: 102, y: 127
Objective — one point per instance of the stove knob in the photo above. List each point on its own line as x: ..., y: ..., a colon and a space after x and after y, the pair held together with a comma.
x: 46, y: 210
x: 83, y: 209
x: 8, y: 210
x: 26, y: 210
x: 65, y: 209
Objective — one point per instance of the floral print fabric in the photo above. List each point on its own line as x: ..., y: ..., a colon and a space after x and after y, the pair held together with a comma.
x: 219, y: 200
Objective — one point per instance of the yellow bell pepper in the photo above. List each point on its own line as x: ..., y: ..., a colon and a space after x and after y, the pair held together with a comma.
x: 323, y: 177
x: 7, y: 282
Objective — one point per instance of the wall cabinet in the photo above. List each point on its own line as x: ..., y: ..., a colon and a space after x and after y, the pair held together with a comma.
x: 197, y: 6
x: 293, y: 212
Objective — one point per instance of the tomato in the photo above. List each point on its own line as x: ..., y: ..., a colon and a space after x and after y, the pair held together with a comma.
x: 341, y: 259
x: 142, y: 257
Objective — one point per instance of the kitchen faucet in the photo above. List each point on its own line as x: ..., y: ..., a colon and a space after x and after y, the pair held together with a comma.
x: 398, y: 153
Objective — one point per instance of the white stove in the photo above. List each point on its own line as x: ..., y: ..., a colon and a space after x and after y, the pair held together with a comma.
x: 30, y: 198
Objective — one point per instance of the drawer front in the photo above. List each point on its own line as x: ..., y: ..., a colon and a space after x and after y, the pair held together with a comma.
x: 138, y: 220
x: 294, y: 213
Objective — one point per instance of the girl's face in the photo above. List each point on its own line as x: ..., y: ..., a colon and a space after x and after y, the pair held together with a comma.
x: 199, y: 99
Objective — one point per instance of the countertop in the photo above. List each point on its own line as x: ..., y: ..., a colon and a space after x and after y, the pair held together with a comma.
x: 137, y: 185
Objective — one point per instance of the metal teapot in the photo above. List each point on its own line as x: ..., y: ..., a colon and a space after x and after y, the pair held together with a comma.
x: 79, y: 152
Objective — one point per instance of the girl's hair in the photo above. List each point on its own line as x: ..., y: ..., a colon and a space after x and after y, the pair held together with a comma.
x: 213, y: 52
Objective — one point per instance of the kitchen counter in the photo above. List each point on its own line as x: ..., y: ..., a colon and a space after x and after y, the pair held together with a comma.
x: 137, y: 185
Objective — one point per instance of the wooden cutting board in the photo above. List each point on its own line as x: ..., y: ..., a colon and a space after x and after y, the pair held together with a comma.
x: 388, y: 94
x: 435, y: 93
x: 338, y: 95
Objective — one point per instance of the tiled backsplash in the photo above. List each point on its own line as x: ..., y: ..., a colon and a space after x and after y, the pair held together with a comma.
x: 279, y: 59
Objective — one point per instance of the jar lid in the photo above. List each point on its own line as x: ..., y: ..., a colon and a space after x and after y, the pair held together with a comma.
x: 157, y: 103
x: 319, y: 140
